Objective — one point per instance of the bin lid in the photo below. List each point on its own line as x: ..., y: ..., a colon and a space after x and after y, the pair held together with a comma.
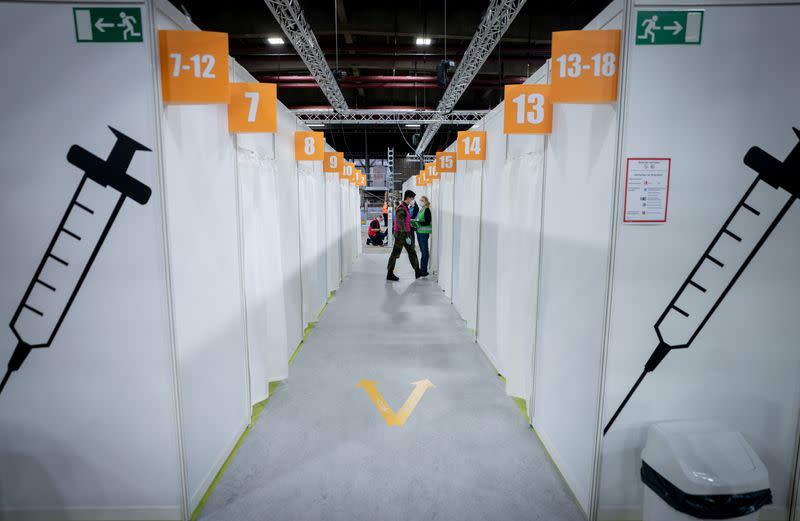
x: 704, y: 457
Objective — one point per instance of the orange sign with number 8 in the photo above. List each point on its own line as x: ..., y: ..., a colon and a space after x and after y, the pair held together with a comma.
x: 309, y: 146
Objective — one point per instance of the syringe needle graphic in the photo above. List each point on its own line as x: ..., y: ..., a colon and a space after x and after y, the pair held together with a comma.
x: 80, y: 234
x: 725, y: 258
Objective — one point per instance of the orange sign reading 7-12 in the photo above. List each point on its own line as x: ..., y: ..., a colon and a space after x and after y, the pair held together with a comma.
x: 194, y: 66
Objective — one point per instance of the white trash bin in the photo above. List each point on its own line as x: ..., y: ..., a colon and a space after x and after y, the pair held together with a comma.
x: 701, y: 470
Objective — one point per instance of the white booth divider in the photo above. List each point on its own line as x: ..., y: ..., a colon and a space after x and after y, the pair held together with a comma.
x: 742, y: 368
x: 445, y: 242
x: 333, y: 220
x: 196, y: 298
x: 466, y: 212
x: 509, y: 250
x: 88, y: 426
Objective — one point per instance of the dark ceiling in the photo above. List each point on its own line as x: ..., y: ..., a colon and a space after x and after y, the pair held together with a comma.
x: 381, y: 63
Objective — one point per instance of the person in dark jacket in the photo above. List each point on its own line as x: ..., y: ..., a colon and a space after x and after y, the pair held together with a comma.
x: 423, y: 225
x: 375, y: 234
x: 402, y: 237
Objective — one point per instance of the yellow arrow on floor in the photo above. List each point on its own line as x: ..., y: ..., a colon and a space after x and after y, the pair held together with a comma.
x: 390, y: 417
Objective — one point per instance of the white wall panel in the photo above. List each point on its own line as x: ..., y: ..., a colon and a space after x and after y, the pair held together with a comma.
x: 263, y: 274
x: 576, y: 228
x: 333, y: 206
x: 71, y: 418
x: 466, y: 239
x: 287, y: 218
x: 729, y: 93
x: 446, y: 229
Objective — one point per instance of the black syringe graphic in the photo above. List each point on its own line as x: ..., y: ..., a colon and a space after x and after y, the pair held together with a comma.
x: 729, y: 253
x: 80, y: 234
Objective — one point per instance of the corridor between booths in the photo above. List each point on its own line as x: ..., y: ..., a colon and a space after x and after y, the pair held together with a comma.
x: 322, y: 449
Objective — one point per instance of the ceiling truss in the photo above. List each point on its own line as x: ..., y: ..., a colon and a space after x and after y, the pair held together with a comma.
x: 494, y: 24
x: 391, y: 117
x: 289, y: 15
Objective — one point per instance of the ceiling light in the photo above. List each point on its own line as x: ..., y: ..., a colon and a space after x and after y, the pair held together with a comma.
x: 315, y: 124
x: 412, y: 125
x: 423, y: 41
x: 275, y: 40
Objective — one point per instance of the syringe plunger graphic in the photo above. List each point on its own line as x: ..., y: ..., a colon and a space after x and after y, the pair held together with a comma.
x: 725, y: 259
x: 78, y: 238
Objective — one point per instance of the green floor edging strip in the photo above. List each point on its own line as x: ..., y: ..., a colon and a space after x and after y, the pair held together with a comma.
x: 550, y: 457
x: 523, y: 406
x: 254, y: 415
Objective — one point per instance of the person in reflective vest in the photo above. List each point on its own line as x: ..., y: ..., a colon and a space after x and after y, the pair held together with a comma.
x: 402, y: 237
x: 423, y: 225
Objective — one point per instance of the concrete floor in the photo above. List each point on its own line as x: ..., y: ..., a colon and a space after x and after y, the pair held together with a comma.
x: 322, y: 451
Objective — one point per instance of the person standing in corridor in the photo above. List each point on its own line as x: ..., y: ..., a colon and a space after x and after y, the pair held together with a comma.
x: 402, y: 237
x: 423, y: 225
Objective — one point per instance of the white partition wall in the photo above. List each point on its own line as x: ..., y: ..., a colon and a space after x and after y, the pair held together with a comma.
x: 445, y: 241
x: 202, y: 215
x: 742, y: 367
x: 312, y: 238
x: 466, y: 238
x: 262, y: 268
x: 333, y: 209
x: 87, y: 426
x: 509, y: 257
x: 436, y: 233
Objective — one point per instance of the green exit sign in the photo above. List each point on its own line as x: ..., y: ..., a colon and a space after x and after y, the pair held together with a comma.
x: 108, y: 24
x: 669, y: 27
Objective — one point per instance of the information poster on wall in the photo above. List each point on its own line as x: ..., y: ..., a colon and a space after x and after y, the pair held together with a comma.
x: 647, y: 190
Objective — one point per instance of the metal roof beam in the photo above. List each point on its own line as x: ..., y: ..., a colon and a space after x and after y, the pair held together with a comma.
x: 495, y: 22
x: 390, y: 117
x: 290, y: 17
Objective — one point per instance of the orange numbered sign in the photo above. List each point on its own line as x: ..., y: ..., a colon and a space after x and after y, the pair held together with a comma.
x: 585, y: 66
x: 309, y: 146
x: 194, y: 66
x: 431, y: 172
x: 347, y: 171
x: 527, y: 109
x: 471, y: 145
x: 445, y: 162
x: 333, y: 162
x: 253, y: 107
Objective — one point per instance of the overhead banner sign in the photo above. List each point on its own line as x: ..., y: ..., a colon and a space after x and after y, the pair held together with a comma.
x: 253, y: 108
x: 445, y: 162
x: 669, y: 27
x: 108, y: 24
x: 471, y: 145
x: 527, y: 109
x: 646, y: 190
x: 333, y: 162
x: 309, y: 146
x: 585, y: 66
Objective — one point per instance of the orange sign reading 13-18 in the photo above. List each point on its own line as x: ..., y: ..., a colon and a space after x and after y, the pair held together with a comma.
x: 585, y: 66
